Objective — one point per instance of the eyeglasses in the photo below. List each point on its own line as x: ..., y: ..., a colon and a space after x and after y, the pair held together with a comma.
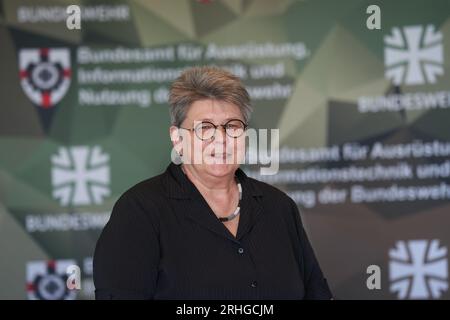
x: 206, y: 130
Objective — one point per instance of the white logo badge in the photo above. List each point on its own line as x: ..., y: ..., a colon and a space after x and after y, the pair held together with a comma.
x: 414, y: 56
x: 80, y: 175
x: 45, y: 74
x: 46, y: 280
x: 418, y: 269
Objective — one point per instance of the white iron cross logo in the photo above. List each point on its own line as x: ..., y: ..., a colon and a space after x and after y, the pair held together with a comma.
x: 80, y: 175
x: 418, y: 269
x: 415, y: 56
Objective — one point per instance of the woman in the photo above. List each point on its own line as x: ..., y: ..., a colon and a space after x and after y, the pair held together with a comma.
x: 203, y: 229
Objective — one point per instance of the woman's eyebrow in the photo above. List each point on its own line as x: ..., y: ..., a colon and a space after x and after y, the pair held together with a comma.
x: 226, y: 119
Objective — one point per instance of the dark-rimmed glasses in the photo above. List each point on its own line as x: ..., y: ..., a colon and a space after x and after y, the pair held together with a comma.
x: 206, y: 130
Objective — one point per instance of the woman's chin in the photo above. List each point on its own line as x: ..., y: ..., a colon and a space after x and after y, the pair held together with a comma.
x: 221, y: 169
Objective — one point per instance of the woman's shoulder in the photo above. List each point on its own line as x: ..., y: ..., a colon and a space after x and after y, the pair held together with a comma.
x: 146, y: 194
x: 150, y: 187
x: 270, y: 193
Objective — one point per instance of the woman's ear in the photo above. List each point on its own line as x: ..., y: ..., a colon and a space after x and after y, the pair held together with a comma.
x: 177, y: 150
x: 176, y: 138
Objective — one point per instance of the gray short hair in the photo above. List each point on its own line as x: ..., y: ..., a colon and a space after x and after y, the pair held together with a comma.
x: 199, y: 83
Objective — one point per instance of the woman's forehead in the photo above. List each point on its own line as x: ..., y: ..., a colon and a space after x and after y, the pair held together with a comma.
x: 213, y: 109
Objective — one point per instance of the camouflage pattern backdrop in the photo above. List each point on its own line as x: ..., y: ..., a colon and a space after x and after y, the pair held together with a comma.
x: 363, y: 115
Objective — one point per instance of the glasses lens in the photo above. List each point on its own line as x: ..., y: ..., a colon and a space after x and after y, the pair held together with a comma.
x: 205, y: 130
x: 235, y: 128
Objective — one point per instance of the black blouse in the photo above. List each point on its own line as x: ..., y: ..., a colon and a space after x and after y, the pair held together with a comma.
x: 163, y: 241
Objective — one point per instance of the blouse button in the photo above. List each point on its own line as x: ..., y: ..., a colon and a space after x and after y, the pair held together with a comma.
x: 241, y: 250
x: 254, y: 284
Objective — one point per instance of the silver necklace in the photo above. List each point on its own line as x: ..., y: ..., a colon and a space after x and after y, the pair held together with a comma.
x: 238, y: 209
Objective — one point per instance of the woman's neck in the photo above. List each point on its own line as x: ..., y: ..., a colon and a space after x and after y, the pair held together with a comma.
x: 212, y: 186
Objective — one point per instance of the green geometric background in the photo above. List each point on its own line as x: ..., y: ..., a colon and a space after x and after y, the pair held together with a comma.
x: 345, y: 61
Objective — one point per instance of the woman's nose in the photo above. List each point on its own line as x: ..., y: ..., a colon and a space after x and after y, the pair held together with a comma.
x: 220, y: 134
